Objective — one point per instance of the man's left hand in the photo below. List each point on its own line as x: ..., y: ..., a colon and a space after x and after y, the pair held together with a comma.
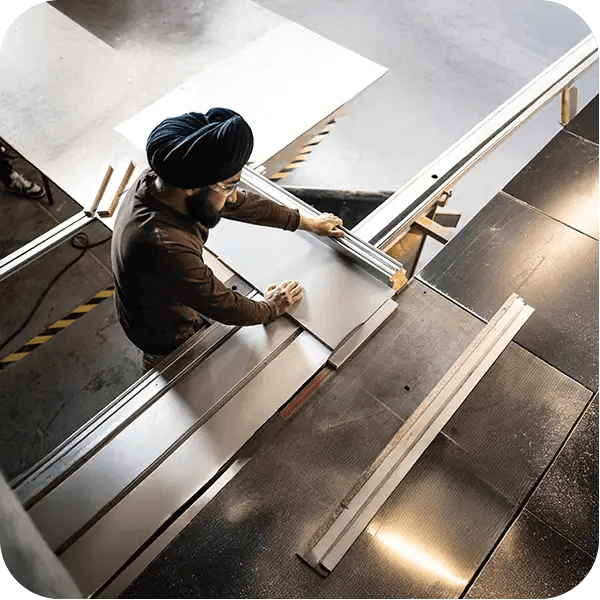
x: 325, y: 224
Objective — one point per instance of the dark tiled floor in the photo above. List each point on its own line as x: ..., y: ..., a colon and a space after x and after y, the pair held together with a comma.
x: 514, y: 422
x: 510, y: 247
x: 567, y: 497
x: 562, y: 182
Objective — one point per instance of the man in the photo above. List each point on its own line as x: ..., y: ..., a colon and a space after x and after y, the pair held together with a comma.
x: 162, y: 285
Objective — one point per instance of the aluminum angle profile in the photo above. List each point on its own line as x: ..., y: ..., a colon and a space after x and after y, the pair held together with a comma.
x: 372, y: 259
x: 344, y: 527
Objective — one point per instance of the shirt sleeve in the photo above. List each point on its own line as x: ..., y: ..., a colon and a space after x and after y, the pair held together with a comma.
x: 198, y: 288
x: 253, y: 208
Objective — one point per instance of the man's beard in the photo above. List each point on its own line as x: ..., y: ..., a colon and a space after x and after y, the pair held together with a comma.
x: 200, y: 209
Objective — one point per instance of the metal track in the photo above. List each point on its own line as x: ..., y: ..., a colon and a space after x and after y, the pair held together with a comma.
x: 373, y: 260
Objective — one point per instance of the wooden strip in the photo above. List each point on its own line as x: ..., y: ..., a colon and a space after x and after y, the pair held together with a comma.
x: 105, y: 175
x: 116, y: 187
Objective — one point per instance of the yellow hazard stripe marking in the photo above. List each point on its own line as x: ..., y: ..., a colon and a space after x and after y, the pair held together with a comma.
x: 14, y: 357
x: 40, y: 339
x: 62, y: 323
x: 84, y: 308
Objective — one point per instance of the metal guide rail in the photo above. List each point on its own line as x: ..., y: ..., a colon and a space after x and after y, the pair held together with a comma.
x: 377, y: 262
x: 392, y: 219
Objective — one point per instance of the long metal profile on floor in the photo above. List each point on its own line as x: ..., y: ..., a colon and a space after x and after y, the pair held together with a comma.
x: 415, y: 436
x: 390, y: 221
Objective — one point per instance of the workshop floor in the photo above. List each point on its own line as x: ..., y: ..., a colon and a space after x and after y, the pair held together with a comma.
x: 451, y: 64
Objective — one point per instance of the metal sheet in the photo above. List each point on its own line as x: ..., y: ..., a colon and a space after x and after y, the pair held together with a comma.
x: 338, y: 296
x: 540, y: 561
x: 111, y: 470
x: 562, y: 181
x: 567, y: 497
x: 510, y: 246
x: 97, y: 555
x: 314, y: 78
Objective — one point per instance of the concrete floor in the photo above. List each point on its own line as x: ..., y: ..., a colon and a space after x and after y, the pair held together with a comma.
x: 451, y: 64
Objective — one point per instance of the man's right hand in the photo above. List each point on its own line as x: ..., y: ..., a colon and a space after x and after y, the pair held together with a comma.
x: 285, y: 295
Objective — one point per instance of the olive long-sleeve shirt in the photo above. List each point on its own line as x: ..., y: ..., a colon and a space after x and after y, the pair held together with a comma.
x: 161, y: 280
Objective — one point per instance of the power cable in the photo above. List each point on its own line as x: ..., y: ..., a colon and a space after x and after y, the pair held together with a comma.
x: 76, y: 242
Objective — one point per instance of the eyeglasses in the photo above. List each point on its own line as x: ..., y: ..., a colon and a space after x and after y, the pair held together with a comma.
x: 224, y: 188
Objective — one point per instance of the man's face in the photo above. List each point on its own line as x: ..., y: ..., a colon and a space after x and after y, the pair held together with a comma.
x: 205, y: 204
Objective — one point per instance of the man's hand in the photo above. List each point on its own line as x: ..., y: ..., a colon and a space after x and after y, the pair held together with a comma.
x: 285, y: 295
x: 324, y: 224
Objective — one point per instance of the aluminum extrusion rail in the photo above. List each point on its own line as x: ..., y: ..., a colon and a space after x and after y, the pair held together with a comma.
x: 373, y: 259
x: 370, y: 493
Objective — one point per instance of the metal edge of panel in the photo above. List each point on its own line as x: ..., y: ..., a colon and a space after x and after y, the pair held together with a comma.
x: 149, y: 388
x: 362, y: 334
x: 336, y: 536
x: 115, y: 540
x: 396, y: 213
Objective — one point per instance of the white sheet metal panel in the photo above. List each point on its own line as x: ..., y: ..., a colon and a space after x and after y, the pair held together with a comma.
x: 242, y: 45
x: 314, y: 77
x: 338, y: 295
x: 103, y: 549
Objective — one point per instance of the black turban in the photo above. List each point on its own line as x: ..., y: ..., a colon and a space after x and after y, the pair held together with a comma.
x: 196, y: 150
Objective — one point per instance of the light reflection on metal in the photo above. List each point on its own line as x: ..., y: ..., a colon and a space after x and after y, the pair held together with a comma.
x: 408, y: 551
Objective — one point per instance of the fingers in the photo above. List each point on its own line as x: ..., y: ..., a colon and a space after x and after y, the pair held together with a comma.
x: 293, y: 290
x: 326, y: 225
x: 271, y: 287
